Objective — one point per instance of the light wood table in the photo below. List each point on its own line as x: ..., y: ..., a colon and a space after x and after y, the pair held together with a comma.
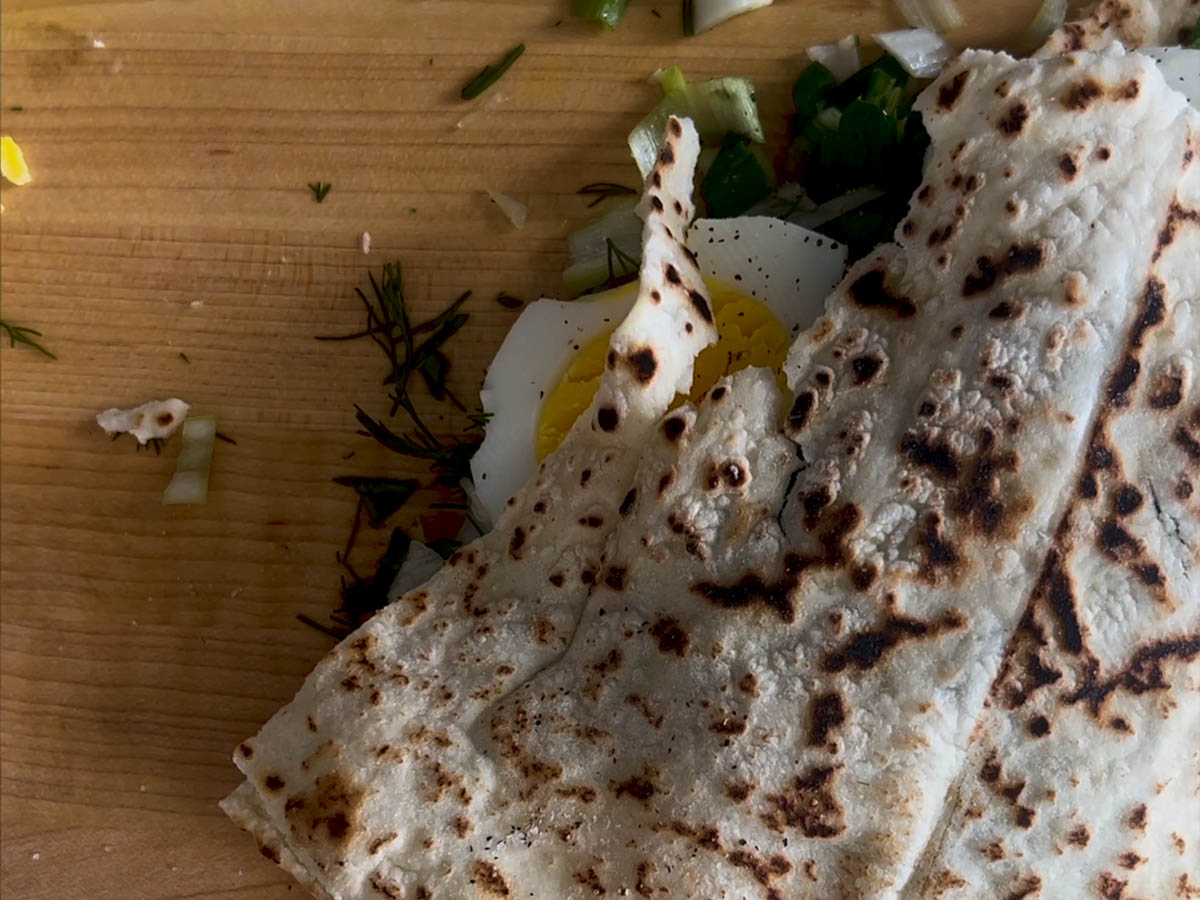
x: 171, y: 143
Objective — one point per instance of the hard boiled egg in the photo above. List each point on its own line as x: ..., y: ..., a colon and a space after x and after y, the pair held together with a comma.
x: 768, y: 280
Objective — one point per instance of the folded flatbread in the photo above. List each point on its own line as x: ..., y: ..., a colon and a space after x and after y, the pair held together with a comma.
x: 1133, y: 23
x: 938, y: 635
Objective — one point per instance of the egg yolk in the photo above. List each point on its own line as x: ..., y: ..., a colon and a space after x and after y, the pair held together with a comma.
x: 12, y: 162
x: 749, y: 334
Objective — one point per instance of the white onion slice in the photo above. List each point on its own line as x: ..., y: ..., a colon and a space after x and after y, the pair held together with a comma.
x: 708, y: 14
x: 189, y: 484
x: 938, y: 15
x: 841, y: 59
x: 920, y: 51
x: 831, y: 209
x: 516, y: 211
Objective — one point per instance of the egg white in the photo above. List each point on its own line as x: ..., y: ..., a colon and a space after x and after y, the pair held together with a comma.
x: 791, y: 269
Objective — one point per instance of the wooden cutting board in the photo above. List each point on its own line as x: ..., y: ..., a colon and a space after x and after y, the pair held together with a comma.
x: 171, y: 144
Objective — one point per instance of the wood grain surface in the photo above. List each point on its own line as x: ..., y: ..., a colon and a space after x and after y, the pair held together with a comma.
x: 171, y: 143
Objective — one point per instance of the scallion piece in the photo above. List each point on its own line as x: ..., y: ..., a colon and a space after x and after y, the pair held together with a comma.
x: 735, y: 181
x: 811, y: 90
x: 716, y: 106
x: 489, y: 75
x: 605, y: 250
x: 189, y: 484
x: 607, y: 12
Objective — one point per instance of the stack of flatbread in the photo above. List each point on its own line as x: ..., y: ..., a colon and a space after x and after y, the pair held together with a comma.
x: 928, y: 626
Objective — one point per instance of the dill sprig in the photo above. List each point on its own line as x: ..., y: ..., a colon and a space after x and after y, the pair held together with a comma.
x: 410, y: 349
x: 19, y: 334
x: 602, y: 190
x: 490, y: 74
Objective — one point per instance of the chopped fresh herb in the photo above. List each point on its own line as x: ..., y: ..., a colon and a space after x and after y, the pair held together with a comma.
x: 508, y: 301
x: 16, y: 108
x: 628, y: 267
x: 155, y: 444
x: 1194, y: 40
x: 490, y: 74
x: 602, y: 190
x: 811, y: 90
x: 607, y: 12
x: 319, y: 189
x: 363, y: 597
x: 689, y: 18
x: 184, y: 357
x: 410, y: 349
x: 860, y: 134
x: 656, y: 13
x: 381, y: 497
x: 221, y: 436
x: 736, y: 179
x: 451, y: 461
x: 19, y: 334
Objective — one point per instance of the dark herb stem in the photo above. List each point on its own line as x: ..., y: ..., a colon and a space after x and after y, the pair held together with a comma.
x: 490, y: 74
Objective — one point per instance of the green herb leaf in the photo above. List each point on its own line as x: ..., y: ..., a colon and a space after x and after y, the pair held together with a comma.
x: 857, y: 85
x: 381, y: 497
x: 605, y: 189
x: 19, y: 334
x: 811, y: 90
x: 608, y: 12
x: 363, y: 597
x: 319, y: 190
x: 735, y: 180
x: 1194, y: 40
x: 689, y: 18
x: 490, y: 74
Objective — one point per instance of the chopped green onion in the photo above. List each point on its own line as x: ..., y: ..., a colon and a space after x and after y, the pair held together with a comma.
x: 812, y: 88
x: 716, y: 106
x: 671, y: 79
x: 735, y: 181
x: 490, y: 74
x: 607, y: 12
x: 689, y: 18
x: 857, y: 84
x: 189, y: 484
x: 590, y: 252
